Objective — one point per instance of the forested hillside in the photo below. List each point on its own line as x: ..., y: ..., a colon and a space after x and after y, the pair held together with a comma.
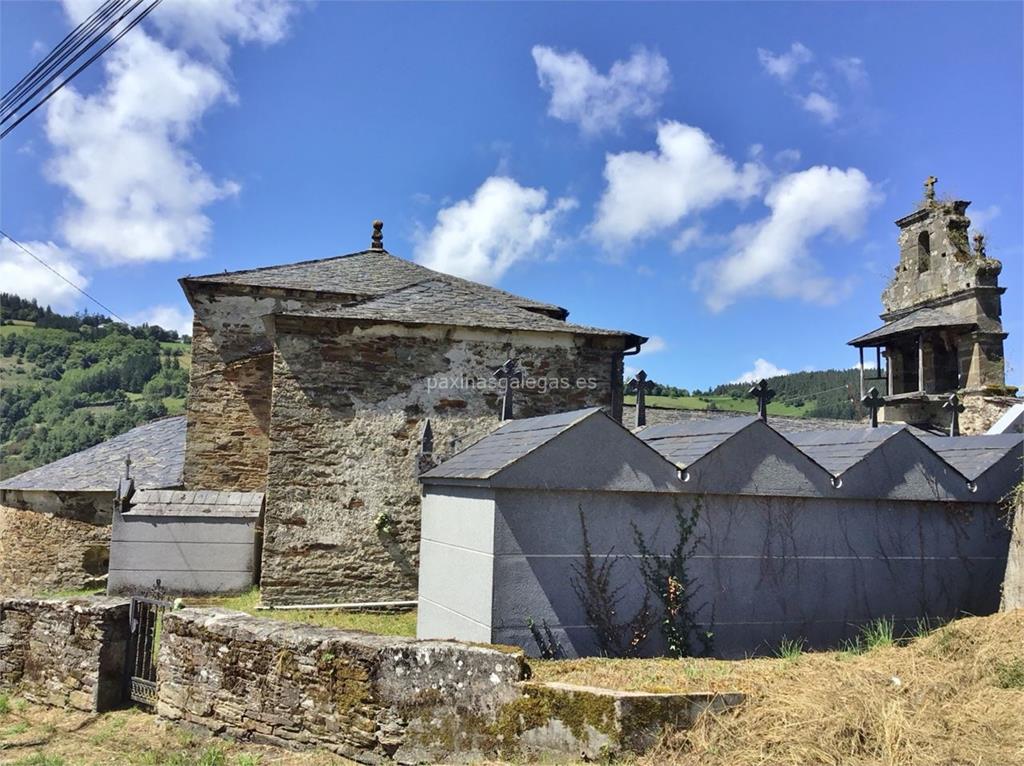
x: 71, y: 381
x: 819, y: 394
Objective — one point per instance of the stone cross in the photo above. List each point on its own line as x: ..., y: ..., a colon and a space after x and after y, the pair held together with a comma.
x: 953, y: 405
x: 763, y: 394
x: 128, y: 466
x: 640, y: 383
x: 979, y: 245
x: 508, y: 372
x: 873, y: 402
x: 929, y: 187
x: 377, y: 240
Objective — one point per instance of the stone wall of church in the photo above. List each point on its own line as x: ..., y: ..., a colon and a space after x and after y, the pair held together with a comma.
x: 981, y: 412
x: 228, y: 418
x: 53, y: 541
x: 349, y: 405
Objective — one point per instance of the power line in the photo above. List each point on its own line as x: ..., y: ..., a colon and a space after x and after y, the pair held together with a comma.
x: 54, y: 59
x: 48, y: 266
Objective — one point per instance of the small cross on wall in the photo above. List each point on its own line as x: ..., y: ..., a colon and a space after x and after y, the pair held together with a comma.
x: 764, y: 395
x: 640, y: 384
x: 955, y: 408
x: 874, y: 402
x: 508, y: 372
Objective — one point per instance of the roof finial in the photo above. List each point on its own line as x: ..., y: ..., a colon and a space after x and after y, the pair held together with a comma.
x: 979, y: 245
x: 929, y: 188
x: 377, y: 240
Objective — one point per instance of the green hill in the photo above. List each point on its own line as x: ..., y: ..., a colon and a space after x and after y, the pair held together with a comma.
x: 71, y: 381
x: 818, y: 394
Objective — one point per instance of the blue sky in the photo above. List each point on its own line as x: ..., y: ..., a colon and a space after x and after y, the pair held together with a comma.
x: 721, y: 177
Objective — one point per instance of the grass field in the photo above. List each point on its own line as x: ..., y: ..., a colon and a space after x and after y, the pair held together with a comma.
x: 723, y: 403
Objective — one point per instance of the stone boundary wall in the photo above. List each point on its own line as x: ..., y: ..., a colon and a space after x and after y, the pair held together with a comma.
x: 380, y: 699
x: 358, y: 694
x: 65, y: 653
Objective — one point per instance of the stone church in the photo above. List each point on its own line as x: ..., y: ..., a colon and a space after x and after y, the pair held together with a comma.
x: 943, y: 332
x: 315, y: 381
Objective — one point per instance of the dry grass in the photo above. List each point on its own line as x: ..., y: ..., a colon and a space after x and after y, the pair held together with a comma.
x: 954, y: 696
x: 40, y: 736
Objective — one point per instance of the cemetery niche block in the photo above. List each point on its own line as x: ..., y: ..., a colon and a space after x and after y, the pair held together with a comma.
x: 800, y: 535
x: 191, y: 542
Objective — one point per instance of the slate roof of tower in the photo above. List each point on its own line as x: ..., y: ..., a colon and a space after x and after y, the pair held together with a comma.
x: 509, y: 443
x: 439, y: 301
x: 921, y: 319
x: 157, y: 451
x: 368, y: 273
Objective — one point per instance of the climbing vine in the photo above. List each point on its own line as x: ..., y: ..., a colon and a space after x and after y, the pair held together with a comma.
x: 668, y: 580
x: 601, y: 600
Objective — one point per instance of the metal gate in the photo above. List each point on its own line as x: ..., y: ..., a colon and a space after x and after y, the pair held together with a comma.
x: 145, y: 620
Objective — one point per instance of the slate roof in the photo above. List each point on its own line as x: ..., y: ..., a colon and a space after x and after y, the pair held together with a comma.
x: 838, y: 451
x: 511, y: 442
x: 922, y: 319
x: 973, y: 455
x: 686, y: 443
x: 170, y: 502
x: 368, y: 273
x: 157, y: 450
x: 438, y: 301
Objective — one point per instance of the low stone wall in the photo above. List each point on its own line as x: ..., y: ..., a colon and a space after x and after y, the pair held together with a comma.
x: 358, y: 694
x: 53, y: 541
x: 379, y: 699
x: 66, y: 653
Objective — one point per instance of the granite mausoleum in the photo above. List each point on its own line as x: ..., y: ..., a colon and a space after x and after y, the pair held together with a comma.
x: 314, y: 381
x: 943, y: 332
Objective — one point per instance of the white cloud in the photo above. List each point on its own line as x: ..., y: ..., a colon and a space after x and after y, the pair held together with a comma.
x: 654, y: 345
x: 650, y: 191
x: 597, y: 102
x: 982, y: 217
x: 480, y: 238
x: 23, y: 275
x: 853, y: 71
x: 167, y: 317
x: 771, y: 256
x: 785, y: 65
x: 787, y: 158
x: 822, y: 107
x: 762, y: 369
x: 687, y: 238
x: 137, y: 193
x: 868, y: 365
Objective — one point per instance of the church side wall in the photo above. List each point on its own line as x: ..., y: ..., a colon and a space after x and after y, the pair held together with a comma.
x: 53, y: 541
x: 348, y: 410
x: 228, y: 418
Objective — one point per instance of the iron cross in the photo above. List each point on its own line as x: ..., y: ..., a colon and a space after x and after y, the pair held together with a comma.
x: 640, y: 384
x: 508, y: 372
x: 763, y: 394
x: 873, y: 402
x: 953, y: 405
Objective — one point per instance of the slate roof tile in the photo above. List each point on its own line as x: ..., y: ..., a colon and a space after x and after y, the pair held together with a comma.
x: 157, y: 450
